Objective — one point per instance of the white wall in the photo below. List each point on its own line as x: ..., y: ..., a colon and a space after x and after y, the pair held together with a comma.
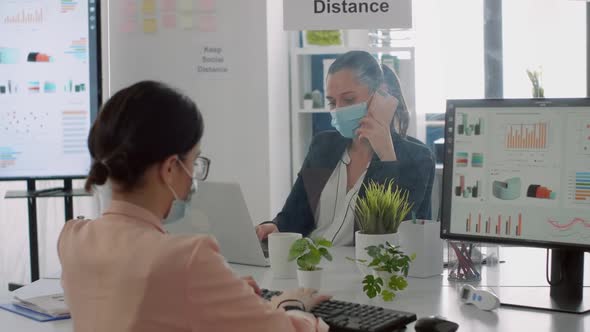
x: 246, y: 134
x: 278, y: 107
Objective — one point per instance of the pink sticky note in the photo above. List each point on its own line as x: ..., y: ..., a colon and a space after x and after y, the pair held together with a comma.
x: 129, y: 8
x: 169, y: 20
x: 128, y: 26
x: 207, y: 5
x: 168, y: 5
x: 207, y: 23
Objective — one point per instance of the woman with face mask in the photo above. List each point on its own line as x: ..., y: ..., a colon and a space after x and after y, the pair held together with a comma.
x: 370, y: 143
x: 122, y: 271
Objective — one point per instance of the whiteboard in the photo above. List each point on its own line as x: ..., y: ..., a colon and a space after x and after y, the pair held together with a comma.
x: 216, y: 52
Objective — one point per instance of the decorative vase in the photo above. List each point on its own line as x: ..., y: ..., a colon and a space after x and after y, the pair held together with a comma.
x: 310, y: 279
x: 363, y: 241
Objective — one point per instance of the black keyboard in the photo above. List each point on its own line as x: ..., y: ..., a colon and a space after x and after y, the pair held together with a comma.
x: 353, y: 317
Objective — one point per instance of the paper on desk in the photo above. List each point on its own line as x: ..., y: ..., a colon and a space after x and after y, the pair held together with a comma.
x: 41, y: 287
x: 44, y: 296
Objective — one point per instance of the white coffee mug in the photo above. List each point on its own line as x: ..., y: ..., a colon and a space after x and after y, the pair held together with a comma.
x: 279, y: 245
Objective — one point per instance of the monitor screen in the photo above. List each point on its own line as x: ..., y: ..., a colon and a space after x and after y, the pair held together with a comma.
x: 518, y: 172
x: 49, y: 87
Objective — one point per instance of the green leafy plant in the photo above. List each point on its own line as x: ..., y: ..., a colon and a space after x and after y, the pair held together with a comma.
x: 382, y: 209
x: 323, y: 37
x: 535, y: 77
x: 309, y: 253
x: 307, y: 96
x: 386, y: 259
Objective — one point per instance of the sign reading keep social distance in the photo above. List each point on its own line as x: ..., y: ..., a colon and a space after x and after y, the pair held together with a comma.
x: 347, y: 14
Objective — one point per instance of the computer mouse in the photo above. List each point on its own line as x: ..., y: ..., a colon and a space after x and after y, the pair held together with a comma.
x: 435, y: 324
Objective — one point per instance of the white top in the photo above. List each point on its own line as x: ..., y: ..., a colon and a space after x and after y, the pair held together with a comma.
x: 334, y: 215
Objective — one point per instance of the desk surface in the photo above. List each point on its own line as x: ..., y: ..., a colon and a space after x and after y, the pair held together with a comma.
x: 425, y: 297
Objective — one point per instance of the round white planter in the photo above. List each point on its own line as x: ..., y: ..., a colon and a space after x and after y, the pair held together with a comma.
x: 307, y: 104
x: 365, y: 240
x: 310, y: 279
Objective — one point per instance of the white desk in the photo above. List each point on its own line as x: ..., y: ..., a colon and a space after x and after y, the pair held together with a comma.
x: 432, y: 296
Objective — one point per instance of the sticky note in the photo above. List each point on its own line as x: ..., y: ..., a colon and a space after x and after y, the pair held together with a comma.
x: 207, y: 5
x: 187, y: 21
x: 169, y: 20
x: 168, y: 5
x: 207, y: 23
x: 128, y: 26
x: 150, y: 25
x: 129, y: 8
x: 186, y: 5
x: 149, y: 7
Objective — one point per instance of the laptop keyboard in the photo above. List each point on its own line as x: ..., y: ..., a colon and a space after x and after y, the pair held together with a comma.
x: 353, y: 317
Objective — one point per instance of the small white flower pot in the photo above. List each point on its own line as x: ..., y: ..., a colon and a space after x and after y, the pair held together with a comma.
x: 307, y: 104
x: 310, y: 279
x: 366, y: 240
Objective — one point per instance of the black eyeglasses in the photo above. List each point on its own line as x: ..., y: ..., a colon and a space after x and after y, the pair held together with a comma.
x: 201, y: 168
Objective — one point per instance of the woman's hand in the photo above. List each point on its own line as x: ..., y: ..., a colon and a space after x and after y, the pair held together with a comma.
x: 252, y: 283
x: 307, y: 296
x: 263, y: 230
x: 376, y: 126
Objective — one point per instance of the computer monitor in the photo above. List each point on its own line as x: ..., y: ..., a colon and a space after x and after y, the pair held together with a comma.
x: 49, y: 87
x: 517, y: 172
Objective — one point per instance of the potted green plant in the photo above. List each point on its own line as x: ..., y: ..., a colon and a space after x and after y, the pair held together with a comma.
x: 308, y: 254
x: 378, y: 215
x: 390, y: 266
x: 308, y: 101
x: 535, y: 77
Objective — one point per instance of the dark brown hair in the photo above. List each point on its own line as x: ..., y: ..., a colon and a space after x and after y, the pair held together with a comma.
x: 139, y: 126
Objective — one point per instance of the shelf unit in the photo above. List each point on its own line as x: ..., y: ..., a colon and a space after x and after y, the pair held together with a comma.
x: 301, y: 82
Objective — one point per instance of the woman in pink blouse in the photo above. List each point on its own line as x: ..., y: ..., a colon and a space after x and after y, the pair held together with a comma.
x: 122, y: 272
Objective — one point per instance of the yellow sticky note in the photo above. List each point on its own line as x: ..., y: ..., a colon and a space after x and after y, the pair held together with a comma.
x: 187, y: 21
x: 186, y: 5
x: 150, y: 25
x: 149, y: 7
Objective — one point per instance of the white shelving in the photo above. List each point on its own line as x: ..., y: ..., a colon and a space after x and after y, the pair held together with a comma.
x: 311, y: 111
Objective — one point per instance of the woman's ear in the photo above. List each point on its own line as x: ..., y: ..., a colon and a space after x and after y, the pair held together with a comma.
x: 166, y: 169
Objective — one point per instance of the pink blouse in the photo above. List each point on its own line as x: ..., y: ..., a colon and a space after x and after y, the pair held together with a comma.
x: 122, y: 272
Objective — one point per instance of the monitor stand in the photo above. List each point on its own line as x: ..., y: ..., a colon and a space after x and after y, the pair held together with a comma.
x: 567, y: 294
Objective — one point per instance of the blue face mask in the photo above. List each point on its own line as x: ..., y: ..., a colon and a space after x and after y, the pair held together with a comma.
x: 346, y: 119
x: 178, y: 208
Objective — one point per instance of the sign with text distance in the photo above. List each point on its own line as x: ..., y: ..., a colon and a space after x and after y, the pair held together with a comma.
x: 347, y: 14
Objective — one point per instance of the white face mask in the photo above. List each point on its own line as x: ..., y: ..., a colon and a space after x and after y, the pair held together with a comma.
x: 178, y: 209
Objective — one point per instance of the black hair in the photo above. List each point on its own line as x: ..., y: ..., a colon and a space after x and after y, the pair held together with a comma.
x: 369, y: 72
x: 137, y: 127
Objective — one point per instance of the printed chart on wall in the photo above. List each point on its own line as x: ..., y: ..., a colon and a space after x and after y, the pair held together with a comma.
x: 45, y: 87
x: 522, y: 173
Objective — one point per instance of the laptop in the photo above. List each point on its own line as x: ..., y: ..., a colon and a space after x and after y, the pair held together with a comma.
x: 219, y: 209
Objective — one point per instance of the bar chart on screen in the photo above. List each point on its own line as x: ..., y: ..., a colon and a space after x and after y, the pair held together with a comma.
x: 579, y: 187
x: 497, y: 224
x: 24, y: 16
x: 527, y: 136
